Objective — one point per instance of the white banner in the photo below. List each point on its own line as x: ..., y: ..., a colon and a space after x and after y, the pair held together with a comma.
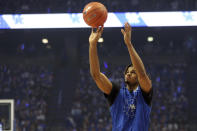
x: 75, y: 20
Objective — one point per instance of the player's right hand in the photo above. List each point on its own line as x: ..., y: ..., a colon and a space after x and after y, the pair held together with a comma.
x: 94, y: 36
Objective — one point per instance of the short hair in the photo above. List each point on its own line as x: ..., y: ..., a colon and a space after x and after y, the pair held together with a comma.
x: 125, y: 71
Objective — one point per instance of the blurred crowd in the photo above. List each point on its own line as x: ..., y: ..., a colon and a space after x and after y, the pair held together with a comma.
x: 67, y: 6
x: 170, y: 103
x: 28, y: 85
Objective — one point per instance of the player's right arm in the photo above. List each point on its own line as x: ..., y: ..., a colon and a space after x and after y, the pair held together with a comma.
x: 101, y: 80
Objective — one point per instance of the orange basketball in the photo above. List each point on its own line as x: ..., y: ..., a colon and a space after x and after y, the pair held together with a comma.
x: 95, y: 14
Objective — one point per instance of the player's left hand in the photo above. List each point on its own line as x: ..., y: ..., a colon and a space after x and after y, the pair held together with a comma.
x: 94, y: 36
x: 127, y: 33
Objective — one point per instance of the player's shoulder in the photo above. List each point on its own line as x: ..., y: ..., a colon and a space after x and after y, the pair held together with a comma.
x: 116, y: 85
x: 147, y: 95
x: 114, y: 93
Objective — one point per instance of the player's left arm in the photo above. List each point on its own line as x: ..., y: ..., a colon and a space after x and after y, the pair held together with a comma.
x: 143, y: 78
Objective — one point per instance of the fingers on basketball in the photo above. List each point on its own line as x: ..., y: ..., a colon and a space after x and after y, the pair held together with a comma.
x: 99, y: 29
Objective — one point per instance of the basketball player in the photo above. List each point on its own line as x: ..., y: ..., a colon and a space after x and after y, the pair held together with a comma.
x: 130, y: 106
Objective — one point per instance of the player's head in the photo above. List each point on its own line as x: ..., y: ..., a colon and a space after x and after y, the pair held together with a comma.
x: 130, y: 75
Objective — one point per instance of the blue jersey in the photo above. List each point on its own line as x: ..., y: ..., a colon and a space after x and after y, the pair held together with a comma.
x: 130, y: 111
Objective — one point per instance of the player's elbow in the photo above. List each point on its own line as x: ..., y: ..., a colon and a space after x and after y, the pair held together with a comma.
x: 149, y: 85
x: 145, y: 83
x: 94, y: 75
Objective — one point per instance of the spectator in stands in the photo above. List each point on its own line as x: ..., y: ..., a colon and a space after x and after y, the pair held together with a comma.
x: 28, y: 85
